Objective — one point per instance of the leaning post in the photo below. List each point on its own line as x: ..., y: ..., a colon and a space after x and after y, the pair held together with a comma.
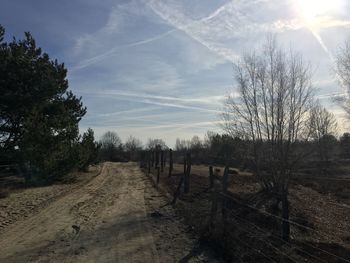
x: 158, y: 174
x: 170, y: 162
x: 149, y: 162
x: 162, y: 160
x: 211, y: 177
x: 214, y: 203
x: 224, y: 191
x: 285, y: 216
x: 187, y: 174
x: 152, y: 158
x: 157, y: 157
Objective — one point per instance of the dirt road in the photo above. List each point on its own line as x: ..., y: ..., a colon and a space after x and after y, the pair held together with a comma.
x: 112, y: 218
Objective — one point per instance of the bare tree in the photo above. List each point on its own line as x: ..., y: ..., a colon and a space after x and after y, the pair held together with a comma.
x: 110, y: 145
x: 343, y: 73
x: 196, y: 143
x: 323, y: 127
x: 133, y: 146
x: 344, y: 143
x: 208, y: 138
x: 182, y: 145
x: 272, y: 113
x: 152, y: 144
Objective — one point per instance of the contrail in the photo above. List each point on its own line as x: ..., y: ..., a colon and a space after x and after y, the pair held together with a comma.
x: 205, y: 100
x: 224, y: 53
x: 151, y: 100
x: 172, y: 105
x: 322, y: 44
x: 124, y: 112
x: 100, y: 57
x: 332, y: 59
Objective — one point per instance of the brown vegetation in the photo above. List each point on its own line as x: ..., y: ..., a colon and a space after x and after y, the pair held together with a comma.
x: 319, y: 219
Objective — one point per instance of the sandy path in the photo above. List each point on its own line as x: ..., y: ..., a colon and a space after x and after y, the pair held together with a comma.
x: 106, y: 220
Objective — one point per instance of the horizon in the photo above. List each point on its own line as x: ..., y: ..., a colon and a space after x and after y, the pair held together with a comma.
x: 160, y: 69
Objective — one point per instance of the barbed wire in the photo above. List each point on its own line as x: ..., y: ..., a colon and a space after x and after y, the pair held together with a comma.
x: 286, y: 242
x: 253, y: 248
x: 264, y: 241
x: 276, y: 216
x: 295, y: 223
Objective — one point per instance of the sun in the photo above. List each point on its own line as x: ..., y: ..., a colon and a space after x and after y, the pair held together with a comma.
x: 313, y: 8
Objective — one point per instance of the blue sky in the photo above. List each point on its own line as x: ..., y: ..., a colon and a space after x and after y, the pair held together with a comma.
x: 160, y: 68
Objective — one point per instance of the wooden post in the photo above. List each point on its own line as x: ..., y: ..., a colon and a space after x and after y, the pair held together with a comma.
x: 162, y: 160
x: 224, y: 190
x: 285, y: 216
x: 185, y: 165
x: 178, y: 190
x: 225, y: 180
x: 158, y: 174
x: 157, y: 157
x: 211, y: 177
x: 214, y: 203
x: 152, y: 157
x: 187, y: 174
x: 170, y: 162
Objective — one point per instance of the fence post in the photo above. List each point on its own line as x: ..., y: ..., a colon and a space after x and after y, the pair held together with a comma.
x: 225, y: 180
x: 178, y: 190
x: 157, y: 157
x: 211, y: 177
x: 214, y: 204
x: 184, y: 164
x: 158, y: 174
x: 162, y: 160
x: 170, y: 161
x: 152, y: 158
x: 224, y: 190
x: 187, y: 174
x: 285, y: 216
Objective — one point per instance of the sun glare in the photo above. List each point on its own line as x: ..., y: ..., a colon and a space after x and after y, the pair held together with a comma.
x: 315, y: 12
x: 313, y: 8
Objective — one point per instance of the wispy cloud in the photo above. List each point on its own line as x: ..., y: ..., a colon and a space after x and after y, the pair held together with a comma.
x: 95, y: 59
x: 226, y: 24
x: 121, y: 112
x: 164, y: 101
x: 206, y: 100
x: 231, y: 22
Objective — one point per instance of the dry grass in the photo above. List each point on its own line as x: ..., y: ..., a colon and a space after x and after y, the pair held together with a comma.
x: 319, y: 203
x: 4, y: 193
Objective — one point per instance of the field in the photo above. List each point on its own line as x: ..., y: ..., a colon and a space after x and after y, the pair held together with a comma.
x: 319, y: 216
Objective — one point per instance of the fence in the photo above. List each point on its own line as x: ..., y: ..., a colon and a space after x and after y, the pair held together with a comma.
x: 155, y: 163
x: 226, y: 210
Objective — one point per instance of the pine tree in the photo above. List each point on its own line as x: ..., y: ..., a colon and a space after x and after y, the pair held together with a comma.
x: 39, y: 116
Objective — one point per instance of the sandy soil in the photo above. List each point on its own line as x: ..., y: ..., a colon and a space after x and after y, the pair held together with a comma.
x: 117, y: 217
x: 25, y: 202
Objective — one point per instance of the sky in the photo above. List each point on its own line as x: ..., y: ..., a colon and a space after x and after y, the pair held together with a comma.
x: 161, y: 68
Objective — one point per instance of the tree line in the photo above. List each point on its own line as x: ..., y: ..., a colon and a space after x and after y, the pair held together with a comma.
x: 113, y: 149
